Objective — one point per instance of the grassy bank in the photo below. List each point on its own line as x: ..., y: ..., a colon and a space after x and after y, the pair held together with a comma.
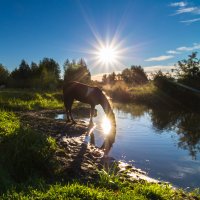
x: 29, y: 100
x: 29, y: 168
x: 147, y: 94
x: 76, y: 190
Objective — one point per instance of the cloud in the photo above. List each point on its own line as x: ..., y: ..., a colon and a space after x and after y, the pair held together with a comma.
x: 178, y: 4
x: 194, y: 10
x: 160, y: 58
x: 183, y: 8
x: 173, y: 52
x: 180, y: 50
x: 190, y: 20
x: 195, y: 46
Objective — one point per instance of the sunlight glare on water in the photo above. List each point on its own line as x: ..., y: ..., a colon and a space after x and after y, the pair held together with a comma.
x: 106, y: 125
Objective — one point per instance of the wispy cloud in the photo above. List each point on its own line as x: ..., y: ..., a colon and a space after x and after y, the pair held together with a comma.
x: 178, y: 4
x: 195, y: 46
x: 190, y: 20
x: 184, y: 8
x: 160, y: 58
x: 173, y: 52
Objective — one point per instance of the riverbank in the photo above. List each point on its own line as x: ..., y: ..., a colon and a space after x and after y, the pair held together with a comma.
x: 148, y: 94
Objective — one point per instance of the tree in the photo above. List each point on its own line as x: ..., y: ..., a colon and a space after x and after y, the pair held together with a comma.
x: 111, y: 78
x: 4, y: 75
x: 76, y: 71
x: 134, y: 75
x: 49, y: 71
x: 21, y: 76
x: 188, y: 71
x: 35, y: 75
x: 104, y: 79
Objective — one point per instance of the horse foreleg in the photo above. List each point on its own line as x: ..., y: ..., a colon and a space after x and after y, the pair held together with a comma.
x: 91, y: 114
x: 70, y: 111
x: 70, y: 114
x: 67, y: 113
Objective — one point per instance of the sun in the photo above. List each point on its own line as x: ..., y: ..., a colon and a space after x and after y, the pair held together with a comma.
x: 107, y: 55
x: 106, y: 125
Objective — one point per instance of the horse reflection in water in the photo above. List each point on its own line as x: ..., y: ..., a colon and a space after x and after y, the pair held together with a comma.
x: 109, y: 130
x: 92, y: 96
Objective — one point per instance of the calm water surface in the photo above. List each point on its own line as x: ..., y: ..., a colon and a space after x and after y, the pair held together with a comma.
x: 164, y: 143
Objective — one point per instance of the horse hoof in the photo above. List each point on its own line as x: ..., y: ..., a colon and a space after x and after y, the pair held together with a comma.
x: 91, y: 124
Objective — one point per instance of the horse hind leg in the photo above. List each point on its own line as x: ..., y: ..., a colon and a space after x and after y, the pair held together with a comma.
x: 67, y: 108
x: 91, y: 114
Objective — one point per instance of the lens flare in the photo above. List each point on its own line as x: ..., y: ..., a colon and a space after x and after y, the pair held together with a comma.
x: 106, y: 125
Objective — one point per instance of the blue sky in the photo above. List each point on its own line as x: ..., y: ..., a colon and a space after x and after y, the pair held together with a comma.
x: 153, y: 33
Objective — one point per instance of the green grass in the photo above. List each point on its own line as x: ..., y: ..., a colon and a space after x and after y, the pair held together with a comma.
x: 30, y: 100
x: 78, y: 190
x: 9, y: 122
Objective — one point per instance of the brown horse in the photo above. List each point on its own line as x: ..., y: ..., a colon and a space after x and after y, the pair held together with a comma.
x: 86, y: 94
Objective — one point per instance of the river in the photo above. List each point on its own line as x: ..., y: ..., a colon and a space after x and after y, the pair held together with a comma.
x: 164, y: 143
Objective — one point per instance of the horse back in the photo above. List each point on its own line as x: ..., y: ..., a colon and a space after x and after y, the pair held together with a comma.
x: 82, y: 92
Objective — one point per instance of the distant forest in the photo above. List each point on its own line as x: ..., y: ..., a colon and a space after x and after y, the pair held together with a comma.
x: 47, y: 74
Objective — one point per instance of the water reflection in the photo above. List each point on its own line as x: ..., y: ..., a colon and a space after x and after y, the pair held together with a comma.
x: 108, y: 129
x: 106, y: 125
x: 185, y: 124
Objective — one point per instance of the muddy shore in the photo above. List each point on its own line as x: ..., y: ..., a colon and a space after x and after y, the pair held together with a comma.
x: 76, y: 157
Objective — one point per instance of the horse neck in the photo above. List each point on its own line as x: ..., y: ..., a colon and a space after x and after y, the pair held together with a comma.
x: 106, y: 105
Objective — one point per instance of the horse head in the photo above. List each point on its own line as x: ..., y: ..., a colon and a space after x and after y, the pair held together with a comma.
x: 107, y: 108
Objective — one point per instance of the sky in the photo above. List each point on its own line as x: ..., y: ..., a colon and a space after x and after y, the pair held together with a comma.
x: 152, y: 33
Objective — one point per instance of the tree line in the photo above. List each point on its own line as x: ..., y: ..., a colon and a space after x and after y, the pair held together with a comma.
x: 186, y: 71
x: 134, y: 75
x: 47, y: 74
x: 44, y: 75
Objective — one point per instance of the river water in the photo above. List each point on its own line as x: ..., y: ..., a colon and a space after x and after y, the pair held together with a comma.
x: 164, y: 143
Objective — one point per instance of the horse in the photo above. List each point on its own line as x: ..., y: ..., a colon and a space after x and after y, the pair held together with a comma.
x: 86, y: 94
